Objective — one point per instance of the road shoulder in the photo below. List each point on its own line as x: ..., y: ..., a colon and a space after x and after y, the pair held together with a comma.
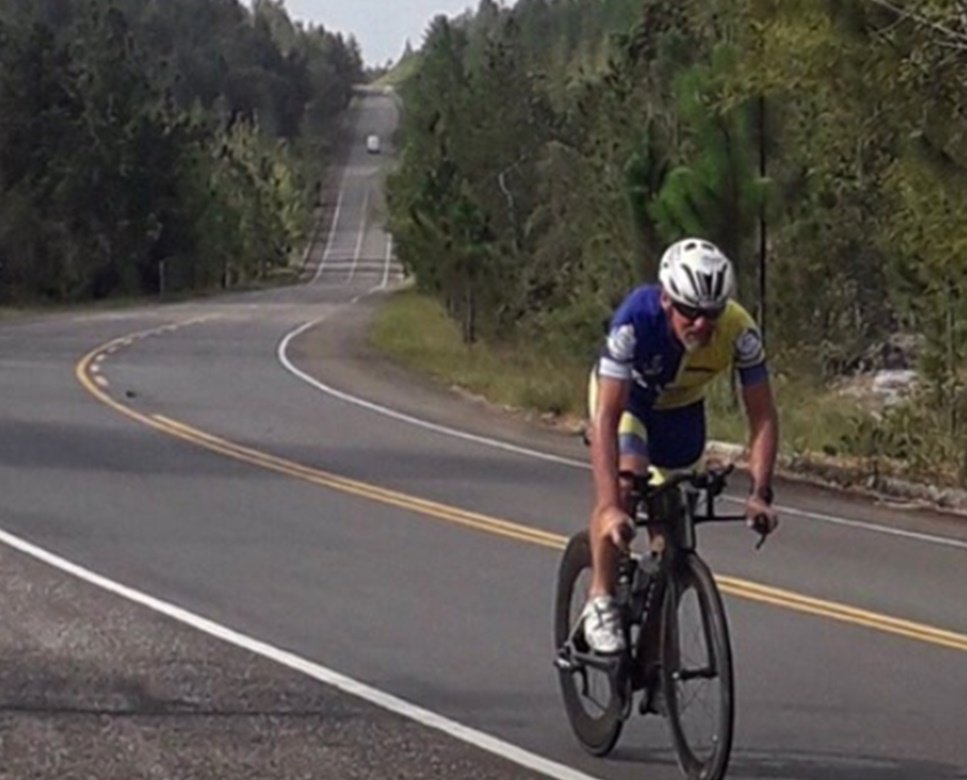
x: 95, y: 686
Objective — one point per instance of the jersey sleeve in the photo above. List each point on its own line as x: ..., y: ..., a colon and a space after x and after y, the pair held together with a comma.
x: 749, y: 355
x: 618, y: 352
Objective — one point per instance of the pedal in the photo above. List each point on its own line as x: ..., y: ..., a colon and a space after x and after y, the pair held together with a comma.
x: 565, y: 664
x: 564, y: 661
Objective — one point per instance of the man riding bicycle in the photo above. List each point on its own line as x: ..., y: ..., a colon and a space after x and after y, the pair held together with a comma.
x: 665, y: 345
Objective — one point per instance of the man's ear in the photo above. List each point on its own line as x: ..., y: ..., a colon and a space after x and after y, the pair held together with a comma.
x: 665, y: 301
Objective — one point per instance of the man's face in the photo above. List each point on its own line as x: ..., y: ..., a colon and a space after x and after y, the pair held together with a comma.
x: 693, y: 327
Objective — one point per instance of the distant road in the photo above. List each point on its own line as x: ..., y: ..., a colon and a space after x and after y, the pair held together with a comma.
x: 323, y: 510
x: 357, y: 244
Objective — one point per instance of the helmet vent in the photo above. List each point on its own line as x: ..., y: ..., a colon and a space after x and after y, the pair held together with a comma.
x: 719, y: 286
x: 706, y: 280
x: 692, y: 279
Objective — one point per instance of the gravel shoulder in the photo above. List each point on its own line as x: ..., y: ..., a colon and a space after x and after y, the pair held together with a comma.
x: 94, y: 686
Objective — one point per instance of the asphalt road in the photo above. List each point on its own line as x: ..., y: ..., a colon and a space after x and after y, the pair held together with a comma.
x: 239, y: 458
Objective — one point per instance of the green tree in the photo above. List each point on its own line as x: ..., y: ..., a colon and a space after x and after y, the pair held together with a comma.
x: 716, y: 192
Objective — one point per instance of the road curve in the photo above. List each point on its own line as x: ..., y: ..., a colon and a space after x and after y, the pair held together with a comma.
x: 190, y: 465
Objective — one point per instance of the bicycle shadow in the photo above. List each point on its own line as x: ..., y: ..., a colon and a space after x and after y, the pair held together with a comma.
x: 661, y: 755
x: 824, y: 766
x: 785, y: 765
x: 842, y: 766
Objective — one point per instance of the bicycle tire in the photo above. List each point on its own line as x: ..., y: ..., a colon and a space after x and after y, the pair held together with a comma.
x: 597, y: 732
x: 680, y: 669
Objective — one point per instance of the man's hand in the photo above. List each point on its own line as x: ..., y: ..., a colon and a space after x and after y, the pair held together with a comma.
x: 616, y: 526
x: 761, y: 517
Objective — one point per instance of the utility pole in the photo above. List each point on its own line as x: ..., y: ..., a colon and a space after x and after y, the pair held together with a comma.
x: 763, y: 287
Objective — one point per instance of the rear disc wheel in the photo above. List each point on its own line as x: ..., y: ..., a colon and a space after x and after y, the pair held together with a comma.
x: 592, y: 701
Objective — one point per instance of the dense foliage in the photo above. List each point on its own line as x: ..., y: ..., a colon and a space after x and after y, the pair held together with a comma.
x: 553, y: 148
x: 150, y: 143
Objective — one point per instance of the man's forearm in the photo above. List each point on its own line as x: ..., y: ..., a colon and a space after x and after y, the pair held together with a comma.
x: 763, y: 448
x: 604, y: 464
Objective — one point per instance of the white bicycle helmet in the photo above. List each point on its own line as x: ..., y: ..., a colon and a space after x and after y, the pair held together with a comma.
x: 696, y: 273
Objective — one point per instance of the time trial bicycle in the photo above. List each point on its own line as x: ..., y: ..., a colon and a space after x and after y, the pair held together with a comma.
x: 678, y: 654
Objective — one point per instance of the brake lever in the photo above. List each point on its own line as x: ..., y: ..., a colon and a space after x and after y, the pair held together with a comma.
x: 763, y: 535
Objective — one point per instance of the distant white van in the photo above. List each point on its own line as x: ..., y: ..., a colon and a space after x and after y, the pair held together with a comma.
x: 372, y: 143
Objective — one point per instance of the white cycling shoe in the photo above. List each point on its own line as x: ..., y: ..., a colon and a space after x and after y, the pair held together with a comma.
x: 602, y: 626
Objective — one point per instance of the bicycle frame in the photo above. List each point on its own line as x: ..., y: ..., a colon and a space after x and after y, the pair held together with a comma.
x: 671, y: 507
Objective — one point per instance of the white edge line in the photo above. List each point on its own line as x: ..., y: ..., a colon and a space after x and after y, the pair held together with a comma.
x: 284, y: 359
x: 332, y: 229
x: 348, y: 685
x: 389, y: 259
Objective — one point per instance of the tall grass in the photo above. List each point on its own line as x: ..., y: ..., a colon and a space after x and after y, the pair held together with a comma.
x: 813, y: 419
x: 415, y: 331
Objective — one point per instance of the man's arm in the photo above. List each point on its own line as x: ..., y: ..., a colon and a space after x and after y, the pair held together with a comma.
x: 612, y: 400
x: 763, y: 446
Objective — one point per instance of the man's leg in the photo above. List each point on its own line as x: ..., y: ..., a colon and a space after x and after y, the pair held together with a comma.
x: 602, y: 620
x: 604, y: 555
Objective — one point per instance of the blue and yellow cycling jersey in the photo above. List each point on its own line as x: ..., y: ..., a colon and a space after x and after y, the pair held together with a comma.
x: 641, y: 346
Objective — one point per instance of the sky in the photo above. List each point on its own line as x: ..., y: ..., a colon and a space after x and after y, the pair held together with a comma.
x: 381, y: 26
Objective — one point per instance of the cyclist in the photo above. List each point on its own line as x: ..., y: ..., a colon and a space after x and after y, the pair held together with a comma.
x: 666, y: 343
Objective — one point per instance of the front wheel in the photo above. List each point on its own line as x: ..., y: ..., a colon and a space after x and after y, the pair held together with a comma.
x: 592, y: 700
x: 697, y: 670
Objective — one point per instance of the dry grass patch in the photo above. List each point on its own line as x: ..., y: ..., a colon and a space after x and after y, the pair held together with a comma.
x: 414, y: 330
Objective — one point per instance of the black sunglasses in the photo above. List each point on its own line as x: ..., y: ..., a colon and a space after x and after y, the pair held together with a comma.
x: 692, y: 313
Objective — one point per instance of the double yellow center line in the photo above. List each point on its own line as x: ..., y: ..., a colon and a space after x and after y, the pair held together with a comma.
x: 842, y: 612
x: 485, y: 523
